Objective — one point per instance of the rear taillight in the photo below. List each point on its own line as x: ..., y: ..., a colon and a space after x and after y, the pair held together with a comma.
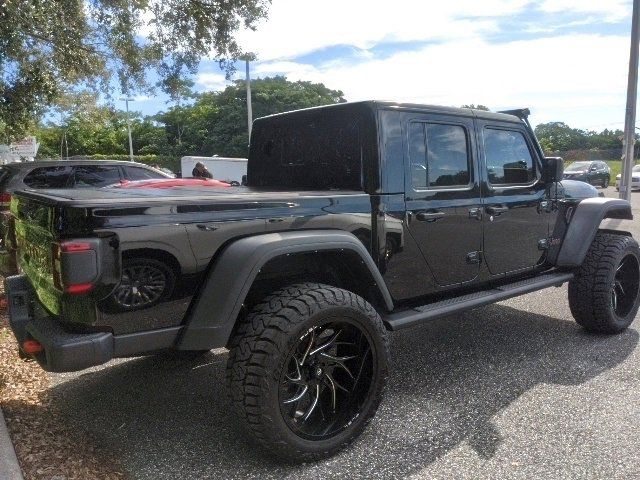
x: 69, y: 248
x: 5, y: 199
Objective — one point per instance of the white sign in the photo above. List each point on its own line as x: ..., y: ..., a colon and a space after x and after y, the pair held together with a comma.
x: 27, y: 147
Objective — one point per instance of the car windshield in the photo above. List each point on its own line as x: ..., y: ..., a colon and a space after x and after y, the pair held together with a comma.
x: 577, y: 166
x: 636, y: 168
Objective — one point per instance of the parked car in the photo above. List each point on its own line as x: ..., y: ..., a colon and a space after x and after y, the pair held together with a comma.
x: 635, y: 179
x: 172, y: 183
x: 593, y: 172
x: 69, y: 174
x: 337, y: 239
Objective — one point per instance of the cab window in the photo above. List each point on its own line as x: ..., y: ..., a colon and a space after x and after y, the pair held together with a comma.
x: 509, y: 160
x: 439, y: 155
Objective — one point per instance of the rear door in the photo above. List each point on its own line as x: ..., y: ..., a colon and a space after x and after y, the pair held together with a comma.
x: 515, y: 202
x: 442, y: 195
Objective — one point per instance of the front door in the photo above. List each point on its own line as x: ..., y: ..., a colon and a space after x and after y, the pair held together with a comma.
x: 442, y: 195
x: 516, y: 212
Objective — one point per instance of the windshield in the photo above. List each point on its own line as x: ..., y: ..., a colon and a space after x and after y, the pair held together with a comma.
x: 636, y: 168
x: 577, y: 166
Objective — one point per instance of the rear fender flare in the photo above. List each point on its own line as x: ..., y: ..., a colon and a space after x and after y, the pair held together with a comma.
x: 213, y: 313
x: 584, y: 225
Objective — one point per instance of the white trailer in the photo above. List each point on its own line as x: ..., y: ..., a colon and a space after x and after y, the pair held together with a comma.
x: 226, y: 169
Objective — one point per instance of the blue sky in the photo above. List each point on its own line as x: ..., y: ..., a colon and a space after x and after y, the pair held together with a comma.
x: 565, y: 59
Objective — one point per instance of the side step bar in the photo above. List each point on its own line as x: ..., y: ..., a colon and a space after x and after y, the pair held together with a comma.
x: 414, y: 316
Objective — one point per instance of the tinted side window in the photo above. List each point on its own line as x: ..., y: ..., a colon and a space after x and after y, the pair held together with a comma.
x: 95, y: 176
x: 447, y: 157
x: 138, y: 173
x: 418, y: 155
x: 439, y: 155
x: 509, y: 160
x: 48, y: 177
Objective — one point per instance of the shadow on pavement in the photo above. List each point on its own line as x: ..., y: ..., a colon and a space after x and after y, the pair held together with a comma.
x: 170, y: 419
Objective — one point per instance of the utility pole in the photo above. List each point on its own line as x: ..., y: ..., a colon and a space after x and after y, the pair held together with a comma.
x: 127, y: 100
x: 632, y: 97
x: 249, y: 110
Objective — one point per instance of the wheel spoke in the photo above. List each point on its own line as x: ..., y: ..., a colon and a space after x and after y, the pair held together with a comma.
x: 299, y: 396
x: 325, y: 345
x: 339, y: 361
x: 332, y: 386
x: 312, y: 407
x: 311, y: 340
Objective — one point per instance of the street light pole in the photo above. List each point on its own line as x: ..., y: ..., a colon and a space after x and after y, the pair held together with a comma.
x: 127, y: 100
x: 249, y: 109
x: 632, y: 96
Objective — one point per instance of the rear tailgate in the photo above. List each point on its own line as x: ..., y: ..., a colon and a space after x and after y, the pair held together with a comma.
x: 70, y: 274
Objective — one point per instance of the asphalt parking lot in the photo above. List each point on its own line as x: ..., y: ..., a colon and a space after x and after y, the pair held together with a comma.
x: 513, y: 390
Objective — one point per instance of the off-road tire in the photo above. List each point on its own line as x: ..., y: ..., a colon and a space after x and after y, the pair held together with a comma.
x: 605, y: 182
x: 590, y: 291
x: 259, y: 353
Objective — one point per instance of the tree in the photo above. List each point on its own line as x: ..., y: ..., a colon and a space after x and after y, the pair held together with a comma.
x: 216, y: 122
x: 48, y: 47
x: 558, y: 136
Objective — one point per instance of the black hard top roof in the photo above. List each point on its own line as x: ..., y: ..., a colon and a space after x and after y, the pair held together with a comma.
x: 386, y: 104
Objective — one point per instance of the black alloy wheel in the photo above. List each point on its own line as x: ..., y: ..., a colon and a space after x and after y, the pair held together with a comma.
x: 327, y: 380
x: 626, y: 283
x: 144, y: 282
x: 306, y: 371
x: 604, y: 295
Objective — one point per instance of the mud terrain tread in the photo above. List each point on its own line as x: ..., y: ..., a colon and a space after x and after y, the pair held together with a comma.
x: 262, y: 336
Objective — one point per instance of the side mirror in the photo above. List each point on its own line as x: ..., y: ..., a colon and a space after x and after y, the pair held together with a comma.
x: 553, y: 169
x: 593, y: 169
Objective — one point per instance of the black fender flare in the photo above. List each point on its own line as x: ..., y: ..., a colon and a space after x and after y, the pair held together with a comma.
x: 213, y: 313
x: 584, y: 225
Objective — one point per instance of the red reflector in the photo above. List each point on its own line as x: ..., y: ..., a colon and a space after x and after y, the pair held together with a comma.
x: 4, y: 303
x: 5, y: 197
x: 68, y: 247
x: 31, y: 347
x: 79, y: 288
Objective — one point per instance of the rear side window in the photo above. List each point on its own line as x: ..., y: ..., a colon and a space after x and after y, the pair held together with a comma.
x: 138, y: 173
x: 48, y: 177
x: 509, y: 160
x: 95, y: 176
x: 439, y: 155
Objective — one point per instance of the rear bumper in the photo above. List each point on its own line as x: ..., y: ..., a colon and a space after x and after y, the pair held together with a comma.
x: 65, y: 351
x: 62, y: 351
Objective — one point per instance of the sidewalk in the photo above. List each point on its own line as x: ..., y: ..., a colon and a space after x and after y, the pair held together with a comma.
x: 9, y: 467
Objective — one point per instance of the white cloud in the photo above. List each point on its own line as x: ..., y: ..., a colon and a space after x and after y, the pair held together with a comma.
x: 608, y: 10
x: 297, y: 27
x: 211, y: 81
x: 556, y: 76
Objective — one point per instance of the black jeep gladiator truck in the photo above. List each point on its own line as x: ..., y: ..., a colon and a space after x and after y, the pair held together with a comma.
x: 358, y: 219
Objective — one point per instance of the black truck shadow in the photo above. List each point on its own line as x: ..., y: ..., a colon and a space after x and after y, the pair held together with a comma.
x: 170, y: 419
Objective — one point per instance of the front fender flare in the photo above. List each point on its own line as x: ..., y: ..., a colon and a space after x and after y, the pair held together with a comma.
x: 584, y: 225
x: 212, y: 315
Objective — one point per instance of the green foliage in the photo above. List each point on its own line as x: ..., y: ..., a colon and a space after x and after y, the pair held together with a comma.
x: 215, y: 123
x: 559, y: 137
x: 49, y: 47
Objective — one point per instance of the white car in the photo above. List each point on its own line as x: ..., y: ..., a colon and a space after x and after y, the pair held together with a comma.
x: 635, y: 179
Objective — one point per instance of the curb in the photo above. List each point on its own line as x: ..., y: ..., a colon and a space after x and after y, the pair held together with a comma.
x: 9, y: 466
